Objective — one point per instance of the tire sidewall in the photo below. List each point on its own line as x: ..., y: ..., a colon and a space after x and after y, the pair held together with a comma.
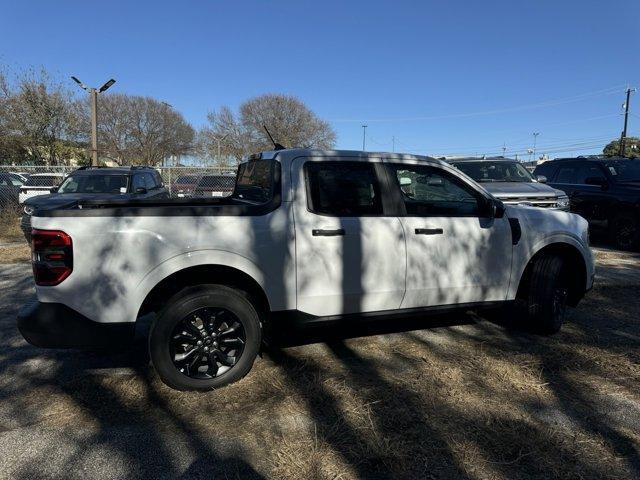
x: 616, y: 224
x: 182, y: 305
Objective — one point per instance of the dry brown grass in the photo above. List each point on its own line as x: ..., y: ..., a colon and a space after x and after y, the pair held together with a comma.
x: 15, y: 253
x: 10, y: 226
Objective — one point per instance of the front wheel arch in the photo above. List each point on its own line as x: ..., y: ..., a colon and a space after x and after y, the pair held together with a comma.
x: 574, y: 262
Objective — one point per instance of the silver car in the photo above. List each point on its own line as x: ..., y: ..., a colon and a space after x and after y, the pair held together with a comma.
x: 508, y: 180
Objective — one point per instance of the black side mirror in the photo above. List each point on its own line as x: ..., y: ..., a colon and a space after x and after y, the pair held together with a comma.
x: 598, y: 181
x: 141, y: 190
x: 498, y: 209
x: 54, y: 189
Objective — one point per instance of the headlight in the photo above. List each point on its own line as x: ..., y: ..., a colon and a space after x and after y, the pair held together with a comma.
x: 28, y: 209
x: 562, y: 203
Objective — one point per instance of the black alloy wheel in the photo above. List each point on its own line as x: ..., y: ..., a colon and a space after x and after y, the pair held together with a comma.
x: 207, y: 343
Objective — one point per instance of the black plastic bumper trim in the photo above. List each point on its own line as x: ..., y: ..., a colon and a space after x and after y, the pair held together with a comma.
x: 54, y: 325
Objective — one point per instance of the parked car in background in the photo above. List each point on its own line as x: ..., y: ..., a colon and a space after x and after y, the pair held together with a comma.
x: 39, y: 184
x: 99, y: 183
x: 307, y: 234
x: 10, y: 184
x: 603, y: 190
x: 214, y: 186
x: 185, y: 185
x: 509, y: 181
x: 23, y: 175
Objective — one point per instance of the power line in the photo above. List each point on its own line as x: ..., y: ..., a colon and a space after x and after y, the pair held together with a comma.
x: 548, y: 103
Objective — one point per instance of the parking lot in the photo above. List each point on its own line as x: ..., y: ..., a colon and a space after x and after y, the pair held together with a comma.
x: 448, y: 397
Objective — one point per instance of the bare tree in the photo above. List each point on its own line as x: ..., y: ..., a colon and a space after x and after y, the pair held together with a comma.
x: 38, y: 116
x: 290, y: 121
x: 141, y: 130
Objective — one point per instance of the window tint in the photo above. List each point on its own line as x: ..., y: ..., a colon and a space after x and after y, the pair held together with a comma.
x: 149, y: 182
x: 138, y: 182
x: 93, y: 184
x: 589, y: 170
x: 567, y: 174
x: 343, y: 189
x: 430, y: 191
x: 255, y: 180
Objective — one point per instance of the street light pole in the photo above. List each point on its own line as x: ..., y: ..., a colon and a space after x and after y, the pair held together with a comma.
x: 535, y: 138
x: 93, y: 93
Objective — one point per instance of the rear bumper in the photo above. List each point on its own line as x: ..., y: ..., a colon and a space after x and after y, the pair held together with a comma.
x: 54, y: 325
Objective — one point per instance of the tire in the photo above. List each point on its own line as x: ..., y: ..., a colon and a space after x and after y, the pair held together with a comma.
x: 546, y: 294
x: 216, y: 316
x: 625, y: 231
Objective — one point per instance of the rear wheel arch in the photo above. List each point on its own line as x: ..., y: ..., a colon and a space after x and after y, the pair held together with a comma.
x: 193, y: 276
x: 574, y: 264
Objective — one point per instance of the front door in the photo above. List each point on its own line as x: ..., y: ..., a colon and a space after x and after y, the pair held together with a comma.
x: 454, y: 254
x: 350, y: 256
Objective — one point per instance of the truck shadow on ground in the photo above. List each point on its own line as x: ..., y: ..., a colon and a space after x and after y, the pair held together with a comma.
x: 445, y: 397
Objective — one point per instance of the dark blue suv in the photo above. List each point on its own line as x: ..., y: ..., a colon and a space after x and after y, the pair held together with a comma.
x: 97, y: 183
x: 603, y: 190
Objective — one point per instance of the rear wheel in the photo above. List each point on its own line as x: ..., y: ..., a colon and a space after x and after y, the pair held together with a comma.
x: 625, y: 231
x: 546, y: 294
x: 207, y: 337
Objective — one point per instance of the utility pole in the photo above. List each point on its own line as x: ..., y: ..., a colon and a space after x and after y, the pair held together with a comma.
x: 504, y: 149
x: 364, y: 137
x: 393, y: 144
x: 623, y: 138
x: 535, y: 138
x: 93, y: 93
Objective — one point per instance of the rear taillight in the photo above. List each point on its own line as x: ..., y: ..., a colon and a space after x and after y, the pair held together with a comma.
x: 51, y: 256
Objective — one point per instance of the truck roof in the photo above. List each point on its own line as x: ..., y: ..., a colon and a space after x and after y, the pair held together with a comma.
x: 287, y: 155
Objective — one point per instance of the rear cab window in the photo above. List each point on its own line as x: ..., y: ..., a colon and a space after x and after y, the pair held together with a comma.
x: 256, y: 181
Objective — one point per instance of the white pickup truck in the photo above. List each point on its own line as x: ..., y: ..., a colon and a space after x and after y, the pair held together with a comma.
x: 307, y: 234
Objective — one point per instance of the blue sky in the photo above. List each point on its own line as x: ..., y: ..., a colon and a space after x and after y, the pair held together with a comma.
x: 443, y: 77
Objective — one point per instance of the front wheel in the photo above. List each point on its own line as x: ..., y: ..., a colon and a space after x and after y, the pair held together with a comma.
x: 207, y: 337
x: 546, y: 294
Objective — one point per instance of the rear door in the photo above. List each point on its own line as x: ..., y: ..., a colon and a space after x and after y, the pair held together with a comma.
x: 455, y: 254
x: 350, y: 253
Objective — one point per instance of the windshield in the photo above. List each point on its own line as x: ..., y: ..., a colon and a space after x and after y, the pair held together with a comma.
x: 255, y: 181
x: 625, y: 170
x: 94, y: 184
x: 43, y: 180
x: 500, y: 171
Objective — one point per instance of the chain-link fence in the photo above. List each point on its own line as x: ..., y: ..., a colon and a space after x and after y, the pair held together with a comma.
x: 23, y: 181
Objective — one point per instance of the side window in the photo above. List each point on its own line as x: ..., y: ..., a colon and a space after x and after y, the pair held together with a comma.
x: 138, y: 182
x: 343, y: 189
x: 589, y: 171
x: 567, y: 174
x: 430, y: 191
x: 149, y: 182
x: 157, y: 179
